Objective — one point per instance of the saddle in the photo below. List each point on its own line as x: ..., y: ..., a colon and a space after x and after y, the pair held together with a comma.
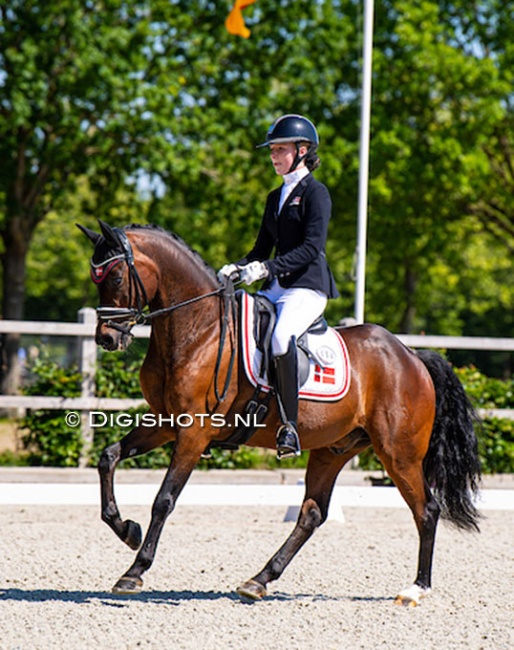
x: 265, y: 318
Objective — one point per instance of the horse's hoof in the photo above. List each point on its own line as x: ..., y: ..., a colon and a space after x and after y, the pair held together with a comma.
x: 252, y: 590
x: 411, y: 597
x: 128, y: 585
x: 133, y: 535
x: 405, y: 601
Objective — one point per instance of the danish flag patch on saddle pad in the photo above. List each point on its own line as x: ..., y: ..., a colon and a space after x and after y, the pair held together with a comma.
x: 328, y: 377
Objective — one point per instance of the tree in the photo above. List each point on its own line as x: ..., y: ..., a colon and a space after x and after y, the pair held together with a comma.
x: 488, y: 30
x: 153, y: 97
x: 113, y: 91
x: 63, y: 90
x: 436, y: 106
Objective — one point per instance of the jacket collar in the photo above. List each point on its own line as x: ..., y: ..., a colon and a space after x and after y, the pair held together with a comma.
x: 294, y: 177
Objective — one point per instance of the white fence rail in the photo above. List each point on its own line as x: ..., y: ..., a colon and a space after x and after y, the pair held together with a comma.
x: 457, y: 342
x: 84, y: 330
x: 68, y: 403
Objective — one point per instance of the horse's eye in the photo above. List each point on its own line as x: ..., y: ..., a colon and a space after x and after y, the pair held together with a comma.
x: 117, y: 281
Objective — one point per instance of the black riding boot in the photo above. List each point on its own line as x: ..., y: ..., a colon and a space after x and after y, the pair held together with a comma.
x: 286, y: 387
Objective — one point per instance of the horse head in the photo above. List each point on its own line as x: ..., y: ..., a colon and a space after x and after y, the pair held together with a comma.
x: 126, y: 281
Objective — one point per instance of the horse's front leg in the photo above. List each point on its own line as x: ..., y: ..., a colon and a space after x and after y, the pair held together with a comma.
x: 187, y: 452
x: 322, y: 471
x: 139, y: 441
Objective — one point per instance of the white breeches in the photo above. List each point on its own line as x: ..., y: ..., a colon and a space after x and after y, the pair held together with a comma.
x: 297, y: 308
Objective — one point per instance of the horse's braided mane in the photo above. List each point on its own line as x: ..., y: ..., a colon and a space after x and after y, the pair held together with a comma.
x: 158, y: 229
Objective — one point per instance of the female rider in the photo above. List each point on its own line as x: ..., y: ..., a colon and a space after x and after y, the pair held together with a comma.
x: 298, y: 278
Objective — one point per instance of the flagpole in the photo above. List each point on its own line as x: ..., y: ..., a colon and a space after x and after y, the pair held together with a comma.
x: 360, y: 285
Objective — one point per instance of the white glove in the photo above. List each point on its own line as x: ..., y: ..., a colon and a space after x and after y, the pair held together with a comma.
x: 253, y: 272
x: 227, y: 271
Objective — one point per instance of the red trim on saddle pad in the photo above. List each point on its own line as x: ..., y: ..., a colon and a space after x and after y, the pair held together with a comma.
x: 328, y: 382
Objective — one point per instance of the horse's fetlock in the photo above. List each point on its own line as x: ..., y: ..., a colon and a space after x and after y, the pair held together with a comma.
x: 110, y: 512
x: 145, y: 556
x: 111, y: 508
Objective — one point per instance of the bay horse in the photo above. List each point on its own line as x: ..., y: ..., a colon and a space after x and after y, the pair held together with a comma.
x: 409, y: 406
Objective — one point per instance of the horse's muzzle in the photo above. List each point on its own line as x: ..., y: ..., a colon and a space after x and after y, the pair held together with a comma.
x: 111, y: 339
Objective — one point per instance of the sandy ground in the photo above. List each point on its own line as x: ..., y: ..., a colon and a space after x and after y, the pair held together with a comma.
x: 57, y: 566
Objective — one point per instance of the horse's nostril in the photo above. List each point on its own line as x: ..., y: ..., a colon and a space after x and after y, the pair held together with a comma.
x: 106, y: 341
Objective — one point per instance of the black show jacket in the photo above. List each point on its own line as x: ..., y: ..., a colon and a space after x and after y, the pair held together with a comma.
x: 299, y: 234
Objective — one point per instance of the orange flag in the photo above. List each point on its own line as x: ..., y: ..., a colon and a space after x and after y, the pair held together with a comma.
x: 235, y: 23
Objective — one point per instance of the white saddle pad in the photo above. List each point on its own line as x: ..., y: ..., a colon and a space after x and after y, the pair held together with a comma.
x: 329, y: 373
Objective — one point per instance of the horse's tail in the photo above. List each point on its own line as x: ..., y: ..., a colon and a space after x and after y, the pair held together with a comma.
x: 452, y: 465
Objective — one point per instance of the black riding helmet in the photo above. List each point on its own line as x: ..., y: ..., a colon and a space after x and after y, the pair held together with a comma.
x: 297, y: 129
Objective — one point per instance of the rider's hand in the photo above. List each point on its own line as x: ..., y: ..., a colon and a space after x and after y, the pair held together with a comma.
x: 253, y: 272
x: 228, y: 271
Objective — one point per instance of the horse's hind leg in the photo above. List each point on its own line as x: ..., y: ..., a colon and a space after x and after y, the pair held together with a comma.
x: 139, y: 441
x: 411, y: 482
x: 322, y: 471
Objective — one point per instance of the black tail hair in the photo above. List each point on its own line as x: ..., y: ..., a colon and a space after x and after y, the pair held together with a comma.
x: 452, y: 465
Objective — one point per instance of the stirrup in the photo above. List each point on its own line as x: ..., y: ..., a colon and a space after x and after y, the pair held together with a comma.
x: 288, y: 442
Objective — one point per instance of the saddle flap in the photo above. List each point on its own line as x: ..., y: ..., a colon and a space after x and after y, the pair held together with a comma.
x: 265, y: 318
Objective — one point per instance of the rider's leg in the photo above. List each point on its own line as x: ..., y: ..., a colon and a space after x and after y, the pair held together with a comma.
x: 297, y: 309
x: 286, y: 389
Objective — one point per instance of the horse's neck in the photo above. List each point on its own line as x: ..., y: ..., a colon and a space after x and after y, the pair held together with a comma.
x: 184, y: 277
x: 181, y: 282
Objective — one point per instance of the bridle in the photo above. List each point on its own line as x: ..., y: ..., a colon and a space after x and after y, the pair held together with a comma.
x: 131, y: 316
x: 99, y: 272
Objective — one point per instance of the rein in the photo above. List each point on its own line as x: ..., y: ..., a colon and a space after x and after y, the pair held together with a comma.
x: 136, y: 316
x: 229, y: 307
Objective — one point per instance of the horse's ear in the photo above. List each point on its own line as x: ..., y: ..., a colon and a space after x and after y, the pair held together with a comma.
x: 90, y: 234
x: 109, y: 234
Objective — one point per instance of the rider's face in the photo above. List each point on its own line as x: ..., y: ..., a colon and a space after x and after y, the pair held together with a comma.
x: 283, y: 155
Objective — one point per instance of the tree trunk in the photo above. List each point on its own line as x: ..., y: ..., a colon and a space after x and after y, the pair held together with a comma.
x: 13, y: 296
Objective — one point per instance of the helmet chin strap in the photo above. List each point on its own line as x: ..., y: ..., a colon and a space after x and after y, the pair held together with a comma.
x: 298, y: 159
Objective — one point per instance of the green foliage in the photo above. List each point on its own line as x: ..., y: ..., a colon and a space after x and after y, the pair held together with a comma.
x: 49, y: 440
x: 58, y: 280
x: 118, y: 375
x: 495, y: 435
x: 251, y: 458
x: 150, y: 110
x: 496, y: 446
x: 243, y: 458
x: 368, y: 461
x: 484, y: 392
x: 437, y: 101
x: 10, y: 458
